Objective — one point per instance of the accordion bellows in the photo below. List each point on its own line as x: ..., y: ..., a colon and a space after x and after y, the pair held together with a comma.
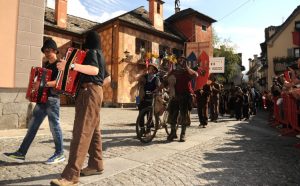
x: 67, y: 80
x: 37, y: 90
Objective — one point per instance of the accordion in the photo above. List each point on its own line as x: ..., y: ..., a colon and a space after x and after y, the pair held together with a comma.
x: 67, y: 80
x: 37, y: 90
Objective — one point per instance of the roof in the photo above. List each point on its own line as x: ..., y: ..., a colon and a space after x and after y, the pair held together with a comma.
x: 281, y: 28
x: 140, y: 17
x: 74, y: 24
x: 190, y: 12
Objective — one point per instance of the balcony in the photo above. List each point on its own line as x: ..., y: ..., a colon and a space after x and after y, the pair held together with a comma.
x: 296, y: 38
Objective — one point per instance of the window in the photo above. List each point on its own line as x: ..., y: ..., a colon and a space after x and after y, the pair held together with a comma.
x: 140, y: 43
x: 204, y: 28
x: 297, y: 52
x: 297, y: 25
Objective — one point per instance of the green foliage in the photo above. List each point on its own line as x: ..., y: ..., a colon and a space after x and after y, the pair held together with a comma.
x: 232, y: 61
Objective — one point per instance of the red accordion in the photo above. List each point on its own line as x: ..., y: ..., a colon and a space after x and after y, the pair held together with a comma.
x: 67, y: 80
x: 37, y: 90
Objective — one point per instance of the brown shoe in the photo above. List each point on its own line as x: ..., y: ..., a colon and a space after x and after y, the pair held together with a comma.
x: 88, y: 172
x: 62, y: 182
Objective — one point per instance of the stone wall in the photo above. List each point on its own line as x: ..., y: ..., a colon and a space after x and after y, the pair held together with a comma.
x: 29, y: 39
x: 15, y: 110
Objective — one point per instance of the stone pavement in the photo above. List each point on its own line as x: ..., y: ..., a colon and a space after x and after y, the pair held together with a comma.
x: 225, y: 153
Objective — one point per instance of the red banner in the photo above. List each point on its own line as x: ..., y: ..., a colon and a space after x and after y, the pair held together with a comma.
x: 203, y: 71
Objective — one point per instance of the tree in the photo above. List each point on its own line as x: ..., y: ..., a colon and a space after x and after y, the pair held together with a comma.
x: 233, y: 62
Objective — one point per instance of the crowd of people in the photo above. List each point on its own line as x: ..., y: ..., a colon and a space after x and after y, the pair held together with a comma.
x: 285, y: 85
x: 212, y: 99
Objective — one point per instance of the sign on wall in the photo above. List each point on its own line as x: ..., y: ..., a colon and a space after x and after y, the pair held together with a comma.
x: 216, y: 64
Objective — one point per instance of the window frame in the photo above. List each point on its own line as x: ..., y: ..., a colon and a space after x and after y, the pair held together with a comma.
x: 297, y: 49
x: 142, y: 43
x: 297, y: 26
x: 204, y: 28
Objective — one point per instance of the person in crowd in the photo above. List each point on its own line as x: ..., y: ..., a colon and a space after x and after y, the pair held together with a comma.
x: 51, y: 109
x: 294, y: 83
x: 203, y: 96
x: 222, y: 102
x: 231, y: 102
x: 245, y: 104
x: 254, y: 99
x: 149, y: 83
x: 182, y: 102
x: 214, y: 99
x: 86, y: 131
x: 238, y: 103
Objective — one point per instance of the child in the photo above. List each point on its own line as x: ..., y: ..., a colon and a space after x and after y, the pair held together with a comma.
x: 41, y: 110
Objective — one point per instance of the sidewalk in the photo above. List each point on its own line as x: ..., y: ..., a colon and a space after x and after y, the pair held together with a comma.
x: 117, y: 164
x: 204, y: 159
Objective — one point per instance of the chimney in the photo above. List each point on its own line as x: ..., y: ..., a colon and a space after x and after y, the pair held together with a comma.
x: 177, y: 6
x: 156, y: 14
x: 61, y: 13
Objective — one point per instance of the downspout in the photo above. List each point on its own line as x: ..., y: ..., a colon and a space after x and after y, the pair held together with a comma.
x: 114, y: 69
x: 113, y: 82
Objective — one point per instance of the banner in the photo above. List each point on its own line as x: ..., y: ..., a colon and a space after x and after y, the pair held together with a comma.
x: 203, y: 71
x: 216, y: 64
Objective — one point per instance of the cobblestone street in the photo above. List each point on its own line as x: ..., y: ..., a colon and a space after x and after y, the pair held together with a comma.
x: 225, y: 153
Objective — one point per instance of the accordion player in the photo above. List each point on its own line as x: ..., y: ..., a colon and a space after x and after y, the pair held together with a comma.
x: 37, y: 90
x: 67, y: 80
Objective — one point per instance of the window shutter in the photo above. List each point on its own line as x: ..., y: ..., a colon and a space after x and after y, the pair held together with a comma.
x: 137, y: 45
x: 290, y: 52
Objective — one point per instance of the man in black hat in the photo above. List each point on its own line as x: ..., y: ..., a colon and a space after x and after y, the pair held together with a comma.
x: 182, y: 102
x: 41, y: 110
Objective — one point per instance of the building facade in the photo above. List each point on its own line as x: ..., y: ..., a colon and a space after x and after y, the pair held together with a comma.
x: 283, y: 46
x: 124, y: 40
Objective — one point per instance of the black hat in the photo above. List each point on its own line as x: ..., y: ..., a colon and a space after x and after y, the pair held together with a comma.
x: 49, y: 43
x: 92, y: 40
x: 153, y: 65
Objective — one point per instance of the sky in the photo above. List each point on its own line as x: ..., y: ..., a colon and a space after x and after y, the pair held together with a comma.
x: 240, y: 21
